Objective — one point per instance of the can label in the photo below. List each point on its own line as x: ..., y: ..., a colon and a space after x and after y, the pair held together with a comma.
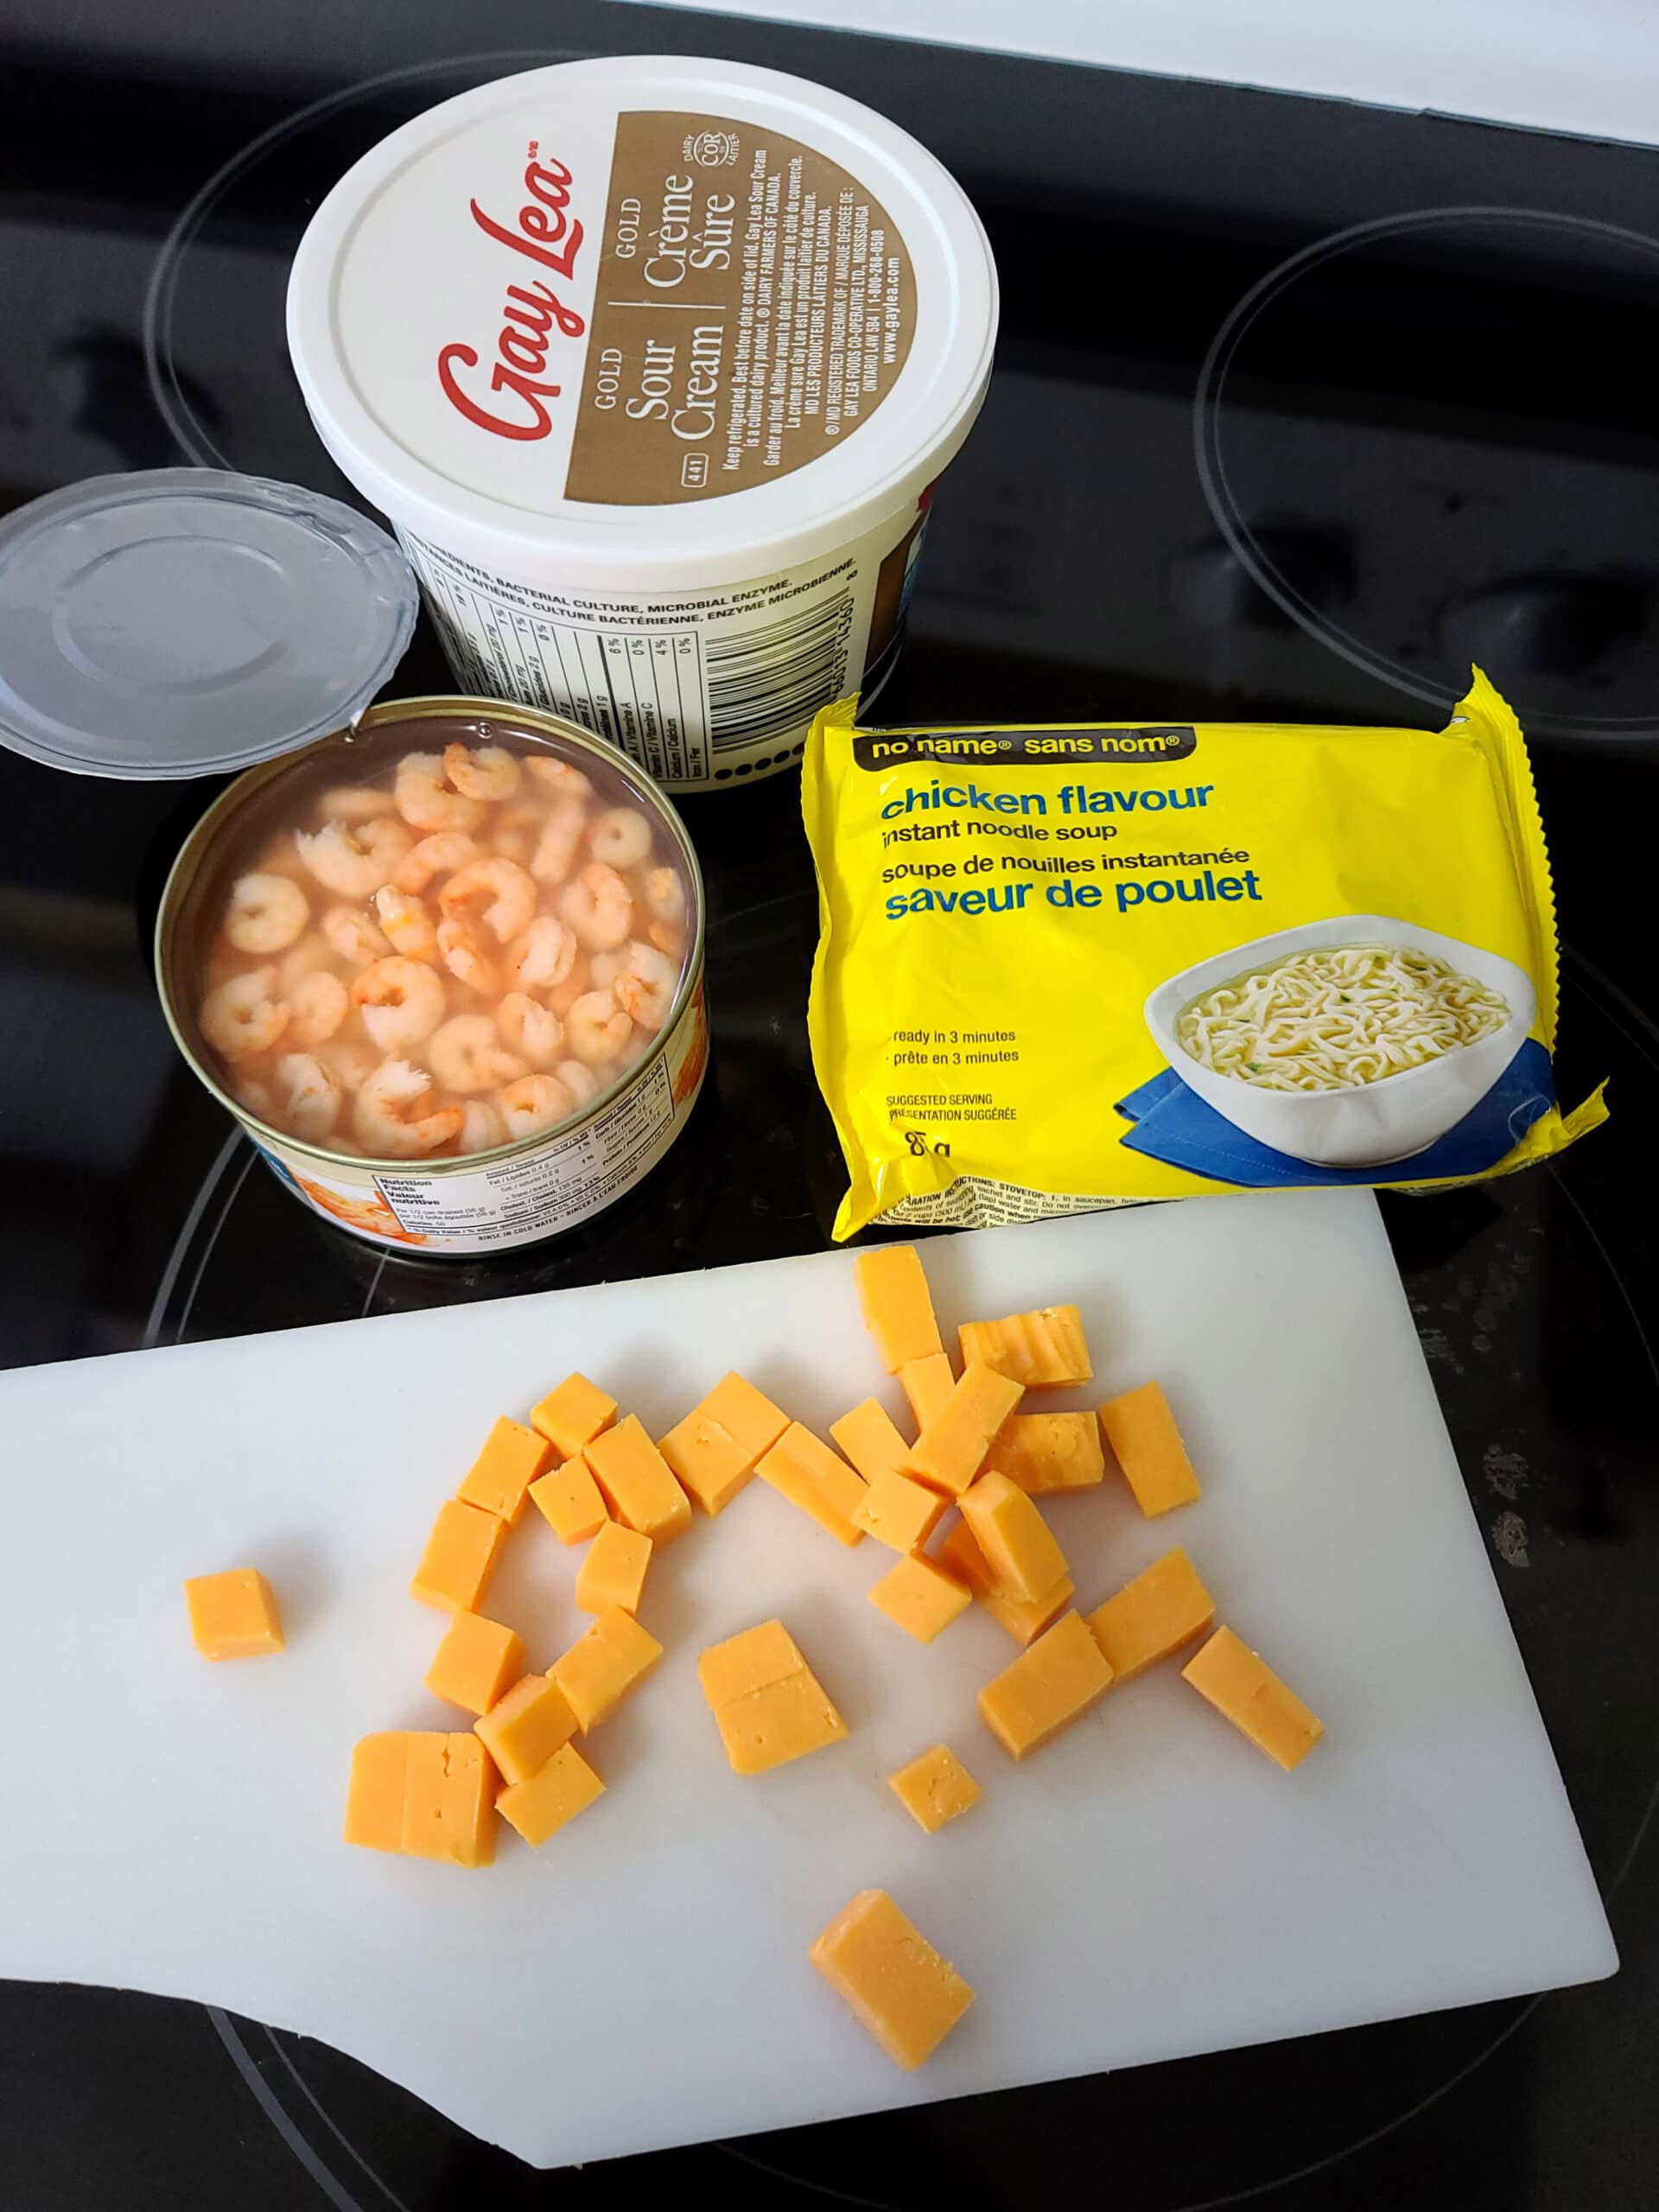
x: 546, y: 1185
x: 698, y: 688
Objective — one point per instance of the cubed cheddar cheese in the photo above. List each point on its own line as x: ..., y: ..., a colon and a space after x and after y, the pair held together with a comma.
x: 898, y: 1513
x: 952, y: 1449
x: 449, y: 1800
x: 1162, y: 1609
x: 717, y: 1448
x: 567, y: 1499
x: 767, y: 1653
x: 601, y: 1668
x: 1046, y: 1689
x: 898, y: 1311
x: 614, y: 1572
x: 522, y: 1731
x: 1146, y: 1443
x: 460, y: 1557
x: 935, y: 1788
x: 802, y: 1468
x: 1024, y: 1620
x: 926, y: 1384
x: 1042, y: 1350
x: 919, y: 1596
x: 573, y: 1414
x: 539, y: 1806
x: 869, y: 1439
x: 1017, y: 1542
x: 511, y: 1458
x: 1245, y: 1690
x: 896, y: 1983
x: 767, y: 1703
x: 1045, y: 1453
x: 637, y: 1482
x: 233, y: 1615
x: 374, y: 1798
x: 474, y: 1663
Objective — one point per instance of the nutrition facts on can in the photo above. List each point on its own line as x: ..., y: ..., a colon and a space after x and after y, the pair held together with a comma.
x: 552, y: 1188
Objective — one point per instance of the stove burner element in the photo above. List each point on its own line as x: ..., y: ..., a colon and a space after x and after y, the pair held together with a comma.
x: 1456, y: 394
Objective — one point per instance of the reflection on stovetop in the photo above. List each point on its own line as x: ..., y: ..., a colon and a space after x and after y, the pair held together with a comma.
x: 1434, y: 445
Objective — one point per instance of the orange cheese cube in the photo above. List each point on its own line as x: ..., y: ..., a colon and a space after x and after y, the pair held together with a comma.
x: 898, y: 1513
x: 1042, y: 1350
x: 614, y: 1572
x: 522, y: 1731
x: 233, y: 1615
x: 802, y: 1468
x: 898, y: 1311
x: 951, y: 1449
x: 459, y: 1558
x: 1046, y: 1689
x: 601, y: 1668
x: 449, y: 1800
x: 1048, y: 1452
x: 926, y: 1384
x: 1146, y: 1444
x: 1246, y: 1692
x: 920, y: 1598
x: 869, y: 1439
x: 539, y: 1806
x: 1019, y: 1547
x: 784, y: 1721
x: 1162, y: 1609
x: 476, y: 1662
x: 935, y: 1788
x: 709, y: 1463
x: 637, y: 1482
x: 374, y: 1798
x: 767, y: 1703
x: 714, y: 1450
x: 1024, y: 1620
x: 573, y: 1414
x: 767, y: 1653
x: 511, y: 1458
x: 898, y: 1986
x: 567, y: 1499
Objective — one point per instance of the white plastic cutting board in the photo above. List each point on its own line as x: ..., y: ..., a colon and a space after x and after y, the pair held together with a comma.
x: 1145, y: 1886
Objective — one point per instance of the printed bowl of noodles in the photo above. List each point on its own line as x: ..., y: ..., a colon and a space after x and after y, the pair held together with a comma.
x: 1346, y: 1043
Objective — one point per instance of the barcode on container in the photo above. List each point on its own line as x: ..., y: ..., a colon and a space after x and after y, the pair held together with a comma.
x: 769, y: 677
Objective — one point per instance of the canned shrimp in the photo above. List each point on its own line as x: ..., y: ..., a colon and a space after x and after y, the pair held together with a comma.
x: 446, y: 969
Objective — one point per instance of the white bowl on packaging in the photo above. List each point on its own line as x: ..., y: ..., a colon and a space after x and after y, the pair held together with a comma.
x: 651, y: 362
x: 1373, y: 1124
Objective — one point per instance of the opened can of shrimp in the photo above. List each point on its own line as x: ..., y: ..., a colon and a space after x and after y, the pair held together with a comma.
x: 445, y: 968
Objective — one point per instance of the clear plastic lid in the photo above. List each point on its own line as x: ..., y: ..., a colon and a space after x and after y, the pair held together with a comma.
x: 190, y: 621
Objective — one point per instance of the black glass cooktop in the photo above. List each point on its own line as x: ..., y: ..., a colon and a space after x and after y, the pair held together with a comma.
x: 1299, y: 407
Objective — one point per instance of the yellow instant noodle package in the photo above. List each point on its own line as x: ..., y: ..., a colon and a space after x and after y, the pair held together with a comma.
x: 1086, y: 964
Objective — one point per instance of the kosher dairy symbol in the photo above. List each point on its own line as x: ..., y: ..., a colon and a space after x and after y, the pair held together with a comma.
x: 712, y: 149
x: 549, y: 238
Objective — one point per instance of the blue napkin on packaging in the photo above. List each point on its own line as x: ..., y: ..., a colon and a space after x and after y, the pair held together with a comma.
x: 1173, y: 1124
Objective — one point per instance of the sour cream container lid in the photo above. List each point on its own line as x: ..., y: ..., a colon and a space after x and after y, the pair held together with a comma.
x: 178, y: 622
x: 478, y: 300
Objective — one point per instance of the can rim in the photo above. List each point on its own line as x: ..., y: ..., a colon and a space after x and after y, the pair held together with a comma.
x: 428, y: 707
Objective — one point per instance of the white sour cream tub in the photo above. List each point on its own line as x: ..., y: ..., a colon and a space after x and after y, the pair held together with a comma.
x: 651, y: 363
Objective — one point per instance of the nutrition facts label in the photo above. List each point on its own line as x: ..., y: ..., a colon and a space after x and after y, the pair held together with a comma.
x: 643, y: 692
x: 549, y: 1189
x: 684, y: 699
